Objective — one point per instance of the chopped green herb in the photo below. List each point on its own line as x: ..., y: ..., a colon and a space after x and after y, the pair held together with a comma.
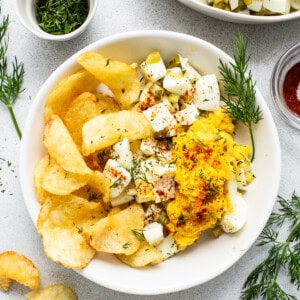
x: 139, y: 234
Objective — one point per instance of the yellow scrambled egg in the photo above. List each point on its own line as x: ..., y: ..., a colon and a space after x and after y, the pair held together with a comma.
x: 206, y: 157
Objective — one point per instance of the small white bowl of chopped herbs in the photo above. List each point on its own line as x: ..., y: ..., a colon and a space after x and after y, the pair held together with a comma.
x: 57, y: 20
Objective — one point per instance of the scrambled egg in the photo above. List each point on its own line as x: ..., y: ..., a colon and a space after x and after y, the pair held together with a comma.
x: 206, y: 158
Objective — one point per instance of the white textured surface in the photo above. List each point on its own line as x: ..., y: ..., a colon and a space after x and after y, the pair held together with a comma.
x: 41, y: 57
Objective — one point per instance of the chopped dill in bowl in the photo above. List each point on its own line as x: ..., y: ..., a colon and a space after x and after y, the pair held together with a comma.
x: 61, y: 16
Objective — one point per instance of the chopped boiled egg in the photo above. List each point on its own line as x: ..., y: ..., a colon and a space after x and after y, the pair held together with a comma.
x: 159, y: 116
x: 160, y: 149
x: 176, y: 82
x: 122, y: 154
x: 295, y: 4
x: 233, y: 4
x: 188, y: 115
x: 188, y: 70
x: 236, y: 218
x: 153, y: 67
x: 277, y: 6
x: 153, y: 233
x: 207, y: 96
x: 121, y: 199
x: 167, y: 247
x: 118, y: 176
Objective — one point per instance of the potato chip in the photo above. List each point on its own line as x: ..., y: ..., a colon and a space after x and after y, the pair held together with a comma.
x: 120, y: 77
x: 38, y: 177
x: 145, y: 255
x: 67, y: 90
x: 60, y: 223
x: 17, y: 267
x: 62, y: 148
x: 53, y: 292
x: 115, y: 233
x: 106, y: 130
x: 60, y: 182
x: 85, y: 107
x: 5, y: 283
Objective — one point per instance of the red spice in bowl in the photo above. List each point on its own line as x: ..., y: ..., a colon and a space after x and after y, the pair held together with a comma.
x: 285, y: 86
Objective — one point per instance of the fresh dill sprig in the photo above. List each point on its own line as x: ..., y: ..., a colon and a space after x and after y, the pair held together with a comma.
x: 10, y: 83
x: 239, y: 89
x: 282, y: 256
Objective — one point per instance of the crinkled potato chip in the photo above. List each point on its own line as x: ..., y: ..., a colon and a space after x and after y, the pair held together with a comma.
x: 60, y: 223
x: 62, y: 148
x: 16, y: 266
x: 38, y: 177
x: 145, y: 255
x: 120, y: 77
x: 60, y: 182
x: 106, y: 130
x: 5, y: 283
x: 115, y: 233
x: 53, y: 292
x: 85, y: 107
x: 67, y: 90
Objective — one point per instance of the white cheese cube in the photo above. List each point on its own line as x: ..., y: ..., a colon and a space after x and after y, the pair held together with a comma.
x: 295, y: 5
x: 167, y: 247
x: 188, y: 115
x: 235, y: 219
x: 159, y: 116
x: 207, y: 96
x: 164, y: 188
x: 122, y: 154
x: 118, y: 176
x: 188, y: 70
x: 277, y: 6
x: 153, y: 233
x: 175, y: 82
x: 256, y: 5
x: 153, y: 67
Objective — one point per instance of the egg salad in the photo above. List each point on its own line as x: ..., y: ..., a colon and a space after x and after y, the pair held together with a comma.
x: 189, y: 176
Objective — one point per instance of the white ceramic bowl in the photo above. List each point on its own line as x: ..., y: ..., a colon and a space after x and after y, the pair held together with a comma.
x: 209, y: 257
x: 203, y: 7
x: 26, y: 12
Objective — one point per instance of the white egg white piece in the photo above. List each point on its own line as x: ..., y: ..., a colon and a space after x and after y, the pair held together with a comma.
x: 159, y: 116
x: 175, y: 82
x: 235, y: 219
x: 153, y: 233
x: 277, y: 6
x: 118, y: 176
x: 151, y: 146
x: 153, y: 68
x: 207, y: 96
x: 121, y: 199
x: 188, y: 115
x: 256, y: 5
x: 167, y: 247
x: 233, y: 4
x: 122, y: 154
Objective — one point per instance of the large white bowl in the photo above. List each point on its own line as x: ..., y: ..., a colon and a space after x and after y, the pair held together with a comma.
x: 203, y: 7
x: 209, y: 257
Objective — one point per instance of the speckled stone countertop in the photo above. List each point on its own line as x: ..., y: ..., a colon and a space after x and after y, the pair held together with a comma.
x: 40, y: 57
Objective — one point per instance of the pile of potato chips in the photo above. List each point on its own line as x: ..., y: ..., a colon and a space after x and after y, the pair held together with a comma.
x: 76, y: 218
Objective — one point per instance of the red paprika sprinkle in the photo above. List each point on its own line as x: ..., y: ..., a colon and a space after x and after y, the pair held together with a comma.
x: 291, y: 89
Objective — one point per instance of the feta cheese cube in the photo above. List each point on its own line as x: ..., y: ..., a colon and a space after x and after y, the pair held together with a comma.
x: 167, y: 247
x: 118, y: 176
x: 207, y: 95
x: 153, y: 67
x: 188, y: 70
x: 188, y: 115
x: 176, y: 82
x: 233, y: 4
x: 160, y: 149
x: 159, y: 116
x: 153, y: 233
x: 256, y: 5
x: 121, y: 199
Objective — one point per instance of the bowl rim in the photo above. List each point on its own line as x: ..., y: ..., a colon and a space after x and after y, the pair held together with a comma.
x: 23, y: 172
x: 238, y: 17
x: 36, y: 30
